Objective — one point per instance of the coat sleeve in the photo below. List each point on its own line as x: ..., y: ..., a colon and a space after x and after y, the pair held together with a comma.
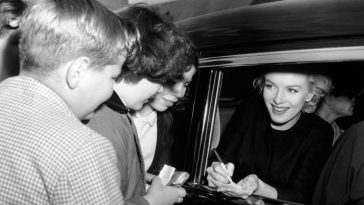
x: 92, y: 176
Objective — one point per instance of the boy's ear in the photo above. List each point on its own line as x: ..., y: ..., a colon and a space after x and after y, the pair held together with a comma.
x: 75, y: 70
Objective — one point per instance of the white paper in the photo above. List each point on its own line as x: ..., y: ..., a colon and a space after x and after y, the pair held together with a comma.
x: 166, y: 174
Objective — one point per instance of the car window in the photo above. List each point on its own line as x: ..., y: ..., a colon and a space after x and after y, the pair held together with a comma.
x: 237, y: 82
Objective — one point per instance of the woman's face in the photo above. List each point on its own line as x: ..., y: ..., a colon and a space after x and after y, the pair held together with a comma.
x: 284, y: 95
x: 170, y: 95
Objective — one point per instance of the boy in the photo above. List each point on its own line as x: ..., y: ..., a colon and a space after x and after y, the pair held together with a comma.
x: 10, y: 14
x: 140, y: 80
x: 70, y: 53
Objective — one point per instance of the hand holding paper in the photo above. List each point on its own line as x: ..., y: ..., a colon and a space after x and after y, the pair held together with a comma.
x: 170, y: 176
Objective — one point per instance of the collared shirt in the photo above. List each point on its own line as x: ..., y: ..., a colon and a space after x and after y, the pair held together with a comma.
x: 337, y: 132
x: 47, y: 155
x: 146, y: 127
x: 113, y: 121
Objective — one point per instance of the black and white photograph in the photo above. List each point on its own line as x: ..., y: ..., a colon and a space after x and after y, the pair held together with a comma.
x: 190, y: 102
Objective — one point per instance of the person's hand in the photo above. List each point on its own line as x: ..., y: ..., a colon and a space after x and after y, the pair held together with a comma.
x: 243, y: 188
x: 217, y: 175
x: 254, y: 201
x: 159, y: 194
x: 149, y: 177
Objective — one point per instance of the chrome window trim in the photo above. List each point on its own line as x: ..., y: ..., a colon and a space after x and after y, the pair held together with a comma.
x: 207, y: 126
x: 336, y: 54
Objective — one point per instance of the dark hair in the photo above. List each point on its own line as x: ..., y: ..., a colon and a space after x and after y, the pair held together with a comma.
x: 8, y: 10
x: 165, y: 52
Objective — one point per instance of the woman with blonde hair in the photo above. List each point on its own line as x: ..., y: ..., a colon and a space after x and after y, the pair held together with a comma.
x: 275, y: 148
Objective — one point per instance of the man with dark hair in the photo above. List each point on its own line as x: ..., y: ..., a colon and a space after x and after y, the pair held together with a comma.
x: 158, y: 62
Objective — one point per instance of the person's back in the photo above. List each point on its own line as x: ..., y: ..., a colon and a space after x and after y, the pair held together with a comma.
x: 43, y: 144
x: 47, y: 155
x: 342, y: 178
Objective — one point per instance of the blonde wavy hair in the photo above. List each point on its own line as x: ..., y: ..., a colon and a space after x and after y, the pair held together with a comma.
x: 320, y: 86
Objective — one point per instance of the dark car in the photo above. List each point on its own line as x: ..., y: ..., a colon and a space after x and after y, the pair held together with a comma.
x: 236, y: 45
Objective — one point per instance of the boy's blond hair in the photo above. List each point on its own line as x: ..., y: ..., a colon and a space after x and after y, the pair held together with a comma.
x: 57, y: 31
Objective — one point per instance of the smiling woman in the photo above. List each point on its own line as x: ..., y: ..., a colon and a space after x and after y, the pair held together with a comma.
x: 272, y: 142
x: 287, y: 93
x: 284, y: 95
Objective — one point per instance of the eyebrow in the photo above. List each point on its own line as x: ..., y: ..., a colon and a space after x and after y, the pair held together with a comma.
x: 289, y: 86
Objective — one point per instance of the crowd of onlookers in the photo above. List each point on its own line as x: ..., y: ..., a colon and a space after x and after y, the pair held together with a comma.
x: 84, y: 114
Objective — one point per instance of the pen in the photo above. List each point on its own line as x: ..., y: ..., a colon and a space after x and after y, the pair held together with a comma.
x: 222, y: 164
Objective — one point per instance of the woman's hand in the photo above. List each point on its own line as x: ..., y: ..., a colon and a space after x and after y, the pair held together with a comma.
x: 218, y: 176
x: 243, y: 188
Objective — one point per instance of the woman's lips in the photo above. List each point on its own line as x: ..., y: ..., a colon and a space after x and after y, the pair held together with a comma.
x: 278, y: 109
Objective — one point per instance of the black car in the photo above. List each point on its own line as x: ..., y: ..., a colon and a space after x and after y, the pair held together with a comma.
x: 235, y: 45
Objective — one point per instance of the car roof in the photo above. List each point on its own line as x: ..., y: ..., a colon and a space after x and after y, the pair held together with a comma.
x: 280, y: 26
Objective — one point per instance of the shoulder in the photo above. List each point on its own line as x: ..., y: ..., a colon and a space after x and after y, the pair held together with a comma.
x: 113, y: 126
x: 314, y: 122
x: 82, y: 137
x: 165, y: 119
x: 355, y: 134
x: 349, y: 147
x: 313, y: 119
x: 316, y: 129
x: 106, y: 115
x: 96, y: 146
x: 72, y: 141
x: 107, y: 121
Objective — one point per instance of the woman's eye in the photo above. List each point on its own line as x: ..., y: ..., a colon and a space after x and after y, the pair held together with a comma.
x: 292, y: 90
x: 268, y: 86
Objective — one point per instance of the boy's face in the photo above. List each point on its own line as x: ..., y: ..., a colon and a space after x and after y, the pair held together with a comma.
x: 97, y: 88
x: 135, y: 95
x: 170, y: 95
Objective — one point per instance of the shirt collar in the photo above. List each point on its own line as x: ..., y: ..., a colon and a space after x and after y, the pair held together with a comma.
x: 150, y: 119
x: 116, y: 104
